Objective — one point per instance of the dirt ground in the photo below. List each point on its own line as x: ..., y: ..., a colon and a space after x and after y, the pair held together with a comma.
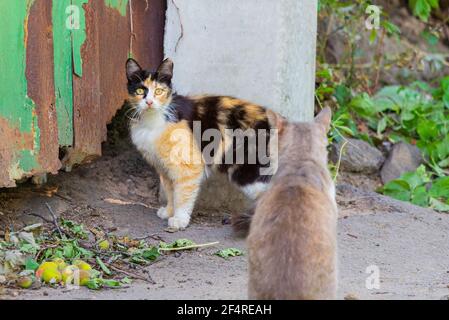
x: 409, y: 245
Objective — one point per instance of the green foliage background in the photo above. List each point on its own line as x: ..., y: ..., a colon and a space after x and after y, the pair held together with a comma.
x: 417, y: 113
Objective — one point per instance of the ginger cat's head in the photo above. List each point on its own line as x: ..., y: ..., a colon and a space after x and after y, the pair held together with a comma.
x: 149, y: 90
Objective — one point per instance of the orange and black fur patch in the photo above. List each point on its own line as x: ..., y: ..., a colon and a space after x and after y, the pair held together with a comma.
x: 220, y: 113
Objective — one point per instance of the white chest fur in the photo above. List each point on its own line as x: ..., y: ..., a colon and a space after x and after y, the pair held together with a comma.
x: 146, y: 132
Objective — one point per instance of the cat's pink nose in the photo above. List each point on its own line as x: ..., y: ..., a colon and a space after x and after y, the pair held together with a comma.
x: 149, y: 103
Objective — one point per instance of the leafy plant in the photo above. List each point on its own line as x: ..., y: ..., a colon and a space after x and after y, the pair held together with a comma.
x: 230, y: 252
x: 418, y: 188
x: 76, y: 229
x: 423, y: 8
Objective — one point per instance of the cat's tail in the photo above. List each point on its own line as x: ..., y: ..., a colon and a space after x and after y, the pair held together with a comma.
x: 241, y: 222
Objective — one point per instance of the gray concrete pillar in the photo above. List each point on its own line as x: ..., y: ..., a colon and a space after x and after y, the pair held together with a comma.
x: 258, y: 50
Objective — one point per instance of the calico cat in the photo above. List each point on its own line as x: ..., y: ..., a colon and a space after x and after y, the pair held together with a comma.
x: 292, y: 242
x: 174, y: 134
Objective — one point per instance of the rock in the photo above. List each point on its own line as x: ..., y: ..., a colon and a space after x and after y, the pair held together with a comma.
x: 403, y: 158
x: 357, y: 156
x: 351, y: 296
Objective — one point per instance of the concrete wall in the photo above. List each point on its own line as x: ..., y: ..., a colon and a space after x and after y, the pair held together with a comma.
x: 259, y: 50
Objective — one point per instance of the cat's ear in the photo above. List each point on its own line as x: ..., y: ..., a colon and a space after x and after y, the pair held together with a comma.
x: 276, y: 121
x: 131, y: 68
x: 165, y: 71
x: 324, y: 118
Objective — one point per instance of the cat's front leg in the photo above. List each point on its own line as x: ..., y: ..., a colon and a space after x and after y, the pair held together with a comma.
x: 167, y: 211
x: 185, y: 195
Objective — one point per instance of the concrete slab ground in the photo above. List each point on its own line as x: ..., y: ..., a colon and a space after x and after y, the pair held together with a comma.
x: 409, y: 245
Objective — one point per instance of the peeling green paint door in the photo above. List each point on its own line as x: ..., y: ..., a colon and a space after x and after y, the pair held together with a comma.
x: 18, y: 122
x: 63, y: 73
x: 62, y: 78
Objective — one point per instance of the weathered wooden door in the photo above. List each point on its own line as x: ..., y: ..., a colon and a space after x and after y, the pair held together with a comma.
x: 62, y: 76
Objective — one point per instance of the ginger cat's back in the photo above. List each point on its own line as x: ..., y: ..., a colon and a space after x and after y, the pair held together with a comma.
x: 293, y: 242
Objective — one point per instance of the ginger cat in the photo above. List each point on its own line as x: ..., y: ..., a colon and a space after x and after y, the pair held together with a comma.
x: 292, y: 244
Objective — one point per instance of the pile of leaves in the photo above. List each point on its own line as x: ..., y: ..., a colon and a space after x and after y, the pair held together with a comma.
x: 47, y: 254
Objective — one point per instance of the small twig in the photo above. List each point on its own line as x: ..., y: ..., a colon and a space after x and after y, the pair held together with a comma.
x: 109, y: 253
x: 43, y: 249
x: 63, y: 197
x: 379, y: 60
x: 154, y: 236
x: 193, y: 246
x: 55, y: 219
x: 128, y: 203
x: 115, y: 288
x: 340, y: 155
x: 41, y: 217
x: 129, y: 274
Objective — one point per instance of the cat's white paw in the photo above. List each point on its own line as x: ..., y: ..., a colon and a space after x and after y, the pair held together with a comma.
x: 163, y: 213
x: 179, y: 222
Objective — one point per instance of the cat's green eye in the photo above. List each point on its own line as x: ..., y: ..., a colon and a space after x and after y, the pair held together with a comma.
x: 158, y: 91
x: 140, y: 92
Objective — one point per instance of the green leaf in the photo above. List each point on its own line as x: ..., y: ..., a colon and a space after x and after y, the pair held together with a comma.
x: 420, y: 196
x: 183, y: 243
x: 94, y: 284
x: 446, y: 99
x: 180, y: 243
x: 438, y: 205
x: 103, y: 266
x: 28, y: 248
x: 342, y: 94
x: 421, y: 8
x: 445, y: 84
x: 75, y: 228
x: 325, y: 73
x: 417, y: 178
x: 444, y: 163
x: 151, y: 253
x: 427, y: 129
x: 432, y: 38
x: 126, y: 280
x: 440, y: 188
x: 31, y: 264
x: 382, y: 125
x: 363, y: 105
x: 373, y: 36
x: 68, y: 251
x: 434, y: 3
x: 391, y: 28
x: 230, y: 252
x: 398, y: 189
x: 110, y: 283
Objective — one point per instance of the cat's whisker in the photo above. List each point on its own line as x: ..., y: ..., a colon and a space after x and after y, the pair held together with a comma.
x: 133, y: 113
